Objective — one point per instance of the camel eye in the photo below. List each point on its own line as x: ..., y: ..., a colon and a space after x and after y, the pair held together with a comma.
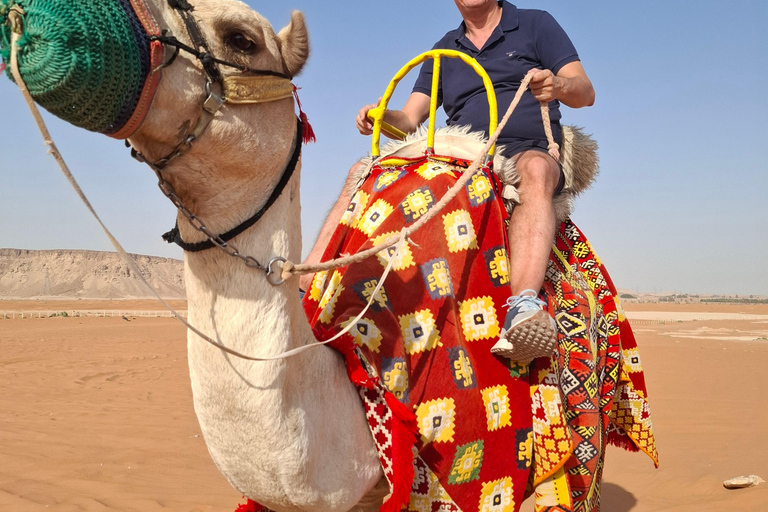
x: 240, y: 43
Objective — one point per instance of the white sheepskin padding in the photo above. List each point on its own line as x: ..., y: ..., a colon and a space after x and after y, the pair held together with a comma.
x: 578, y: 156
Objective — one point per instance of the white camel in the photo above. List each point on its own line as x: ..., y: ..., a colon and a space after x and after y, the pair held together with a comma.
x: 292, y: 433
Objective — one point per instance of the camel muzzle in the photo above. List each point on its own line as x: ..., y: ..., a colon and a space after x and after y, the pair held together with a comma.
x: 92, y: 64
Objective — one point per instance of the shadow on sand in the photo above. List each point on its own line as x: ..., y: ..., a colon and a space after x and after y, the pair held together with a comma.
x: 616, y: 499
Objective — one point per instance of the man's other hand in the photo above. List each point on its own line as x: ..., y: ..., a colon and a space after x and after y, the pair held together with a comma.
x: 364, y: 125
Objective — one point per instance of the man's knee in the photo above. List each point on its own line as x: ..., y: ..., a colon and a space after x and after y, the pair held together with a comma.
x: 538, y: 171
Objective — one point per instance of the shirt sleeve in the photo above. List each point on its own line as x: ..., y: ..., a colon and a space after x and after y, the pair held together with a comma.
x: 553, y: 45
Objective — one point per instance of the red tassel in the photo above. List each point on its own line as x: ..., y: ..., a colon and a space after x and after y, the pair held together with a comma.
x: 249, y: 506
x: 2, y: 67
x: 308, y: 134
x: 404, y: 437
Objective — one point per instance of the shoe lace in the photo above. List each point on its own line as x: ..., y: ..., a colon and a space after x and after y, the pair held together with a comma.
x: 516, y: 300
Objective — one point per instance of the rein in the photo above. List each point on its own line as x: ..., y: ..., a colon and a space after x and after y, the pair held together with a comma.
x: 211, y: 105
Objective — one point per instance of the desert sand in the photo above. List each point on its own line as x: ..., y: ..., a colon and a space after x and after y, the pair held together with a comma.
x: 97, y: 414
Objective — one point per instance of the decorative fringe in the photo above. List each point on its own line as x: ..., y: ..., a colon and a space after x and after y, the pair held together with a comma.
x: 308, y: 134
x: 404, y: 427
x: 404, y: 437
x: 251, y: 506
x: 622, y: 441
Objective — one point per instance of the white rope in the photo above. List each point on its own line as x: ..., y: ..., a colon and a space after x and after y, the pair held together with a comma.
x: 53, y: 150
x: 16, y: 18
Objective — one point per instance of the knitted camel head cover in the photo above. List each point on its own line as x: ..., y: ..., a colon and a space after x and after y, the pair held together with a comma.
x: 90, y: 63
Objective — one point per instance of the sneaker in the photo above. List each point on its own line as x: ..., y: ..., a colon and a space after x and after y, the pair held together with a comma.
x: 529, y: 332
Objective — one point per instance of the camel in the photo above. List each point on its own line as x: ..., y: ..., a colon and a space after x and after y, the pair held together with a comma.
x: 291, y: 433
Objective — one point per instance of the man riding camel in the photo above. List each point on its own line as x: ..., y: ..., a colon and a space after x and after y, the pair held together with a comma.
x: 509, y: 43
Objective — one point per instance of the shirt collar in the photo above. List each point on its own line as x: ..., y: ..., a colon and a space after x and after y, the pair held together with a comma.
x: 509, y: 21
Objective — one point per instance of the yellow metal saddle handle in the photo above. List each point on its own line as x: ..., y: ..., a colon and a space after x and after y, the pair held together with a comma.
x: 376, y: 114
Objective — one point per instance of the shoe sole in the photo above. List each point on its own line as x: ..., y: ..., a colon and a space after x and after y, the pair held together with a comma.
x: 531, y: 337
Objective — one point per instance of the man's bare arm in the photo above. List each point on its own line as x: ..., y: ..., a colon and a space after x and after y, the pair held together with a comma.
x: 570, y: 86
x: 415, y: 112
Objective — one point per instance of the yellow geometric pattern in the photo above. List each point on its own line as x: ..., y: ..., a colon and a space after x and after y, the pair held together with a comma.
x: 420, y: 333
x: 417, y: 203
x: 478, y: 319
x: 381, y: 300
x: 480, y: 189
x: 365, y: 334
x: 387, y: 178
x: 630, y: 360
x: 355, y: 209
x: 430, y: 170
x: 497, y: 496
x: 498, y: 266
x: 436, y: 420
x: 375, y: 217
x: 318, y: 285
x: 330, y: 297
x: 459, y: 231
x: 497, y: 412
x: 466, y: 465
x: 462, y: 370
x: 396, y: 380
x: 552, y: 439
x: 403, y: 261
x: 438, y: 279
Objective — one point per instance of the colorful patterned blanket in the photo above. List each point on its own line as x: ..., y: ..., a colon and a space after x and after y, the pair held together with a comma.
x: 457, y: 428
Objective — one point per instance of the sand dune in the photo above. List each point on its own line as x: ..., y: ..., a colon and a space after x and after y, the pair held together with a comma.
x: 97, y: 416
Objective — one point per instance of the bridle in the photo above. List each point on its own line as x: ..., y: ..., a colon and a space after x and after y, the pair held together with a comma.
x: 256, y: 86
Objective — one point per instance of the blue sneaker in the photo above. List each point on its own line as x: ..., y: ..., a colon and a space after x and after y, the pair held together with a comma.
x: 529, y: 332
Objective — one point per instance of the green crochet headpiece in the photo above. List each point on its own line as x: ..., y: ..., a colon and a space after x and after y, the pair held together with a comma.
x: 85, y: 61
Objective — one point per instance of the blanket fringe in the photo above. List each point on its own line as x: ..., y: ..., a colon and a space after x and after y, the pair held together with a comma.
x: 404, y: 437
x: 622, y: 441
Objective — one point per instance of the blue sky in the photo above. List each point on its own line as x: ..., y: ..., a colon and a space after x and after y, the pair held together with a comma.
x: 680, y: 203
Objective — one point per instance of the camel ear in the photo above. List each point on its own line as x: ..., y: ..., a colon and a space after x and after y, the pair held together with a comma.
x: 294, y: 44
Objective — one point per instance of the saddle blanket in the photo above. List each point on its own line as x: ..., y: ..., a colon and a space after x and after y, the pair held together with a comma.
x: 457, y: 428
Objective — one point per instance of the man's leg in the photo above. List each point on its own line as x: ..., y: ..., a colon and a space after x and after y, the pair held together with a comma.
x: 533, y: 222
x: 531, y: 233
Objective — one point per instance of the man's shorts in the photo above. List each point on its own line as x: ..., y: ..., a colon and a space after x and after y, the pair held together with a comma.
x: 514, y: 148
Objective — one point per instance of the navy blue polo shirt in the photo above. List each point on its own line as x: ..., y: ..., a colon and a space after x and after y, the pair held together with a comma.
x: 523, y: 40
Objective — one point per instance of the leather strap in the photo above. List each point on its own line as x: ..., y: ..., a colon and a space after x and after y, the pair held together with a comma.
x: 174, y: 237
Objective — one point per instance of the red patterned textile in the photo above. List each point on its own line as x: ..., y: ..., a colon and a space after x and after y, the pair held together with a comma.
x: 458, y: 428
x: 429, y: 332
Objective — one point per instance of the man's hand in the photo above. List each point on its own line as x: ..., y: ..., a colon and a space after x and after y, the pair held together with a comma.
x: 570, y: 86
x: 545, y: 86
x: 364, y: 125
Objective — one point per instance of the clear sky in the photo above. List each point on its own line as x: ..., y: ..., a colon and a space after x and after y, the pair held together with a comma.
x: 680, y: 204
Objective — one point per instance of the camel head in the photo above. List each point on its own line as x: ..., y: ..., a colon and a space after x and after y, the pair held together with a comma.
x: 110, y: 66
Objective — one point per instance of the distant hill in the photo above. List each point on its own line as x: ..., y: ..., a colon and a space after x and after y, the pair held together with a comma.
x: 26, y: 274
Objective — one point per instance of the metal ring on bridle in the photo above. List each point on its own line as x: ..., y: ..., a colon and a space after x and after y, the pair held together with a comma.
x: 271, y: 272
